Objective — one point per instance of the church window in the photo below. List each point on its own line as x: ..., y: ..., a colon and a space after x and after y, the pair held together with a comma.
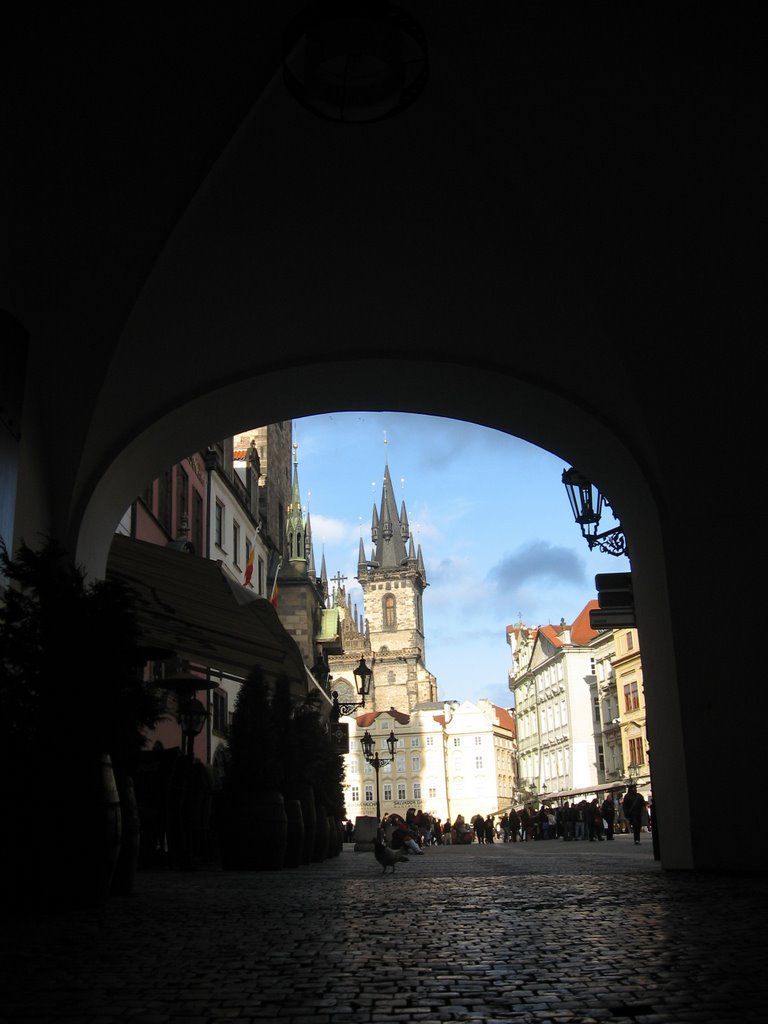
x: 389, y: 611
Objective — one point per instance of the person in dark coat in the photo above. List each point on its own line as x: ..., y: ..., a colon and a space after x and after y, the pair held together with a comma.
x: 514, y: 825
x: 489, y: 829
x: 633, y: 806
x: 608, y: 812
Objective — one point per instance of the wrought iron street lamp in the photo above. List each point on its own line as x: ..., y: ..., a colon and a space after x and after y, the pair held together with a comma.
x: 376, y: 762
x: 363, y: 679
x: 587, y: 503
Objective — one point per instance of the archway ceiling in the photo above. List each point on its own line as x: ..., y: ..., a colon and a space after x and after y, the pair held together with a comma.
x: 183, y: 226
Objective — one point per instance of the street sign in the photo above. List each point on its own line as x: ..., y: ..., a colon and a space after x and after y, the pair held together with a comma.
x: 612, y: 618
x: 339, y: 732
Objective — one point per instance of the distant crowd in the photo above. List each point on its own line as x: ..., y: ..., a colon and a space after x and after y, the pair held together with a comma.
x: 583, y: 820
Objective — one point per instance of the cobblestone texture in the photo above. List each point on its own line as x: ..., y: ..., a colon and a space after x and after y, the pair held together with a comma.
x: 535, y: 932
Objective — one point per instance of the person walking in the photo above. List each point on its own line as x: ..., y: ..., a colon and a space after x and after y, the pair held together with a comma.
x: 633, y: 806
x: 608, y: 811
x: 504, y: 823
x: 594, y: 821
x: 514, y: 825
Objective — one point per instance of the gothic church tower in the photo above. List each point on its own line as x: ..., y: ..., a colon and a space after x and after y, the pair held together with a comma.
x: 393, y: 582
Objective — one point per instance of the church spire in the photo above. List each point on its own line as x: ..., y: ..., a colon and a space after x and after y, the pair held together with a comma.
x: 295, y: 532
x: 389, y: 539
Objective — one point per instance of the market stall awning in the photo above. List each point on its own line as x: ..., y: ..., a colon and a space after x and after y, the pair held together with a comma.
x: 192, y: 606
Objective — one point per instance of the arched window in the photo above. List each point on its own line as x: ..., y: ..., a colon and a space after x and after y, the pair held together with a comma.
x: 389, y: 611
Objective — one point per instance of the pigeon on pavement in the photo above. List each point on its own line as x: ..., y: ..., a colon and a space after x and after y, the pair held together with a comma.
x: 388, y: 857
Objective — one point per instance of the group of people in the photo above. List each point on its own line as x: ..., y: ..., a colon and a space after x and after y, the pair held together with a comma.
x: 591, y: 821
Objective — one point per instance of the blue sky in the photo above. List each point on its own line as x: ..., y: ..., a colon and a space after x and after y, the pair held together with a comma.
x: 490, y: 513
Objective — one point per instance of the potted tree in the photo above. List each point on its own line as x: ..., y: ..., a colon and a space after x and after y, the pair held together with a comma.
x: 252, y: 823
x: 74, y: 705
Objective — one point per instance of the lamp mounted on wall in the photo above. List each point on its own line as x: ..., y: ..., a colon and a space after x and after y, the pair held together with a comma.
x: 363, y: 680
x: 587, y: 504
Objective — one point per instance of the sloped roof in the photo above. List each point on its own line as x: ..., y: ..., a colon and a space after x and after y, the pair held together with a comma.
x: 369, y: 717
x: 194, y: 607
x: 581, y: 631
x: 329, y: 625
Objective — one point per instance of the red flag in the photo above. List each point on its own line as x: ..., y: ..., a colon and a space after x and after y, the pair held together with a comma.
x: 273, y: 595
x: 249, y: 568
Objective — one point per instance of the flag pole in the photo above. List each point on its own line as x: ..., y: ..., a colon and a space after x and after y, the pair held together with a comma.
x: 274, y: 582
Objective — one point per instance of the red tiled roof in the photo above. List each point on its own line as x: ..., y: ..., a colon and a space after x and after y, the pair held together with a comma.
x: 581, y: 631
x: 369, y: 717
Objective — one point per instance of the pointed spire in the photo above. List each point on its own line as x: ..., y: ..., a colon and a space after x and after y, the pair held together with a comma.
x: 294, y: 523
x: 309, y: 551
x: 420, y: 565
x: 362, y: 566
x: 375, y: 526
x: 404, y: 528
x: 323, y: 573
x: 411, y: 551
x: 390, y: 545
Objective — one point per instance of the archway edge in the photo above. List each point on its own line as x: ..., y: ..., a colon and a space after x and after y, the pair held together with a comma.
x: 115, y: 467
x: 465, y: 392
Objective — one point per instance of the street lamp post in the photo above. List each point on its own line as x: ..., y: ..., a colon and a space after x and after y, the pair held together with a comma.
x: 363, y: 679
x: 376, y: 762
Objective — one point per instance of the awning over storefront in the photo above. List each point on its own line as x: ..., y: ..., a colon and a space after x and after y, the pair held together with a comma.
x: 192, y: 606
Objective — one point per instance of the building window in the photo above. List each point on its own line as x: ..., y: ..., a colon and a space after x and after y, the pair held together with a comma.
x: 401, y: 764
x: 387, y: 790
x: 235, y: 542
x: 417, y: 791
x: 368, y: 793
x: 631, y: 697
x: 164, y: 501
x: 479, y: 762
x: 457, y: 741
x: 414, y: 741
x: 401, y: 791
x: 218, y: 534
x: 478, y: 741
x: 220, y: 716
x: 261, y: 576
x: 630, y: 642
x: 182, y: 493
x: 389, y: 611
x: 415, y: 763
x: 601, y: 758
x: 430, y: 741
x: 636, y: 755
x: 355, y: 794
x: 433, y: 792
x: 197, y: 522
x: 596, y: 708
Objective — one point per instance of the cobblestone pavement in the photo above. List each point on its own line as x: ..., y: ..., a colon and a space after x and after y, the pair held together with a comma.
x: 547, y: 931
